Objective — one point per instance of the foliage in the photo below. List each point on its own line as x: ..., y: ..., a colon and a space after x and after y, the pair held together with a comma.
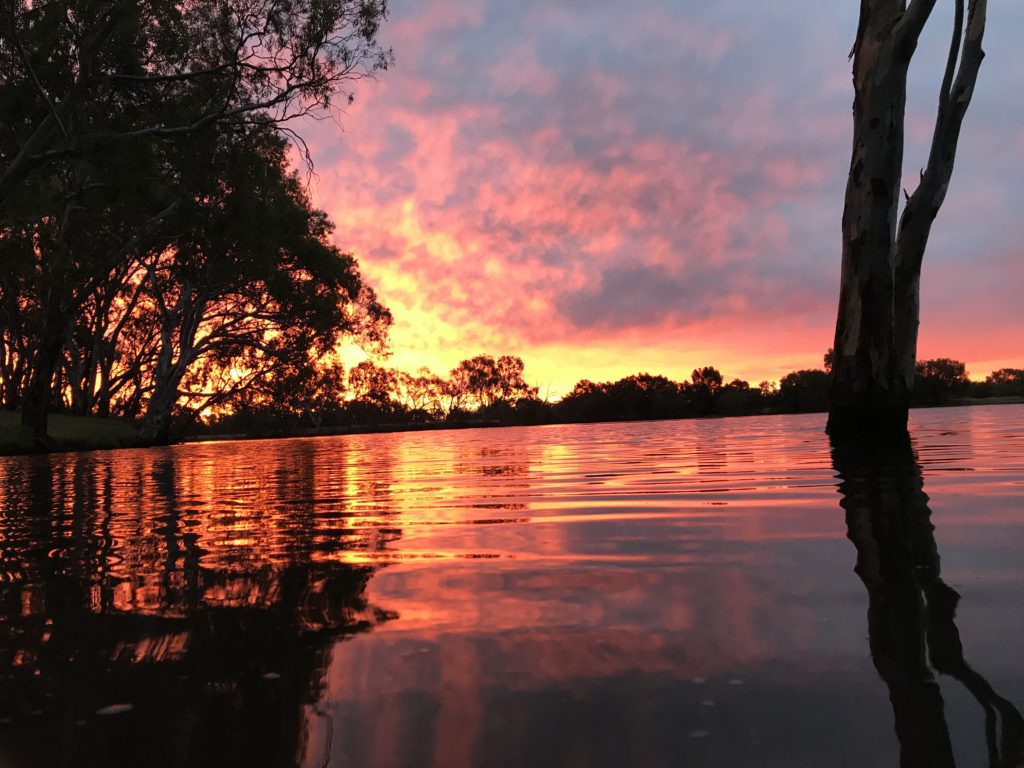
x: 1006, y: 382
x: 939, y: 380
x: 475, y: 393
x: 803, y: 391
x: 81, y: 79
x: 217, y: 274
x: 156, y: 255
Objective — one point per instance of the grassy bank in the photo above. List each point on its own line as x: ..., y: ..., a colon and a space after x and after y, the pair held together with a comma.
x: 70, y: 433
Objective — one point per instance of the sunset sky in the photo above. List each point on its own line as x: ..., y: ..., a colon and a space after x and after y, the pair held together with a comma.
x: 605, y: 188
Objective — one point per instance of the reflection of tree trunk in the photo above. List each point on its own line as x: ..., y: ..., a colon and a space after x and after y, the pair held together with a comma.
x: 911, y: 611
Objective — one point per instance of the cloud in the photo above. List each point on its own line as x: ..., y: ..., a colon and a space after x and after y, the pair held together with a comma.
x: 630, y: 296
x: 659, y: 184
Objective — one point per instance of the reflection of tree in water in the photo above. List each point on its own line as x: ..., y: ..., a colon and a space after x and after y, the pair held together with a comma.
x: 710, y: 455
x: 497, y: 476
x: 219, y: 659
x: 911, y: 611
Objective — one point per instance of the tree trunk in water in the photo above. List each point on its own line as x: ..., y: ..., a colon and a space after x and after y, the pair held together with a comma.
x: 880, y: 290
x: 866, y: 387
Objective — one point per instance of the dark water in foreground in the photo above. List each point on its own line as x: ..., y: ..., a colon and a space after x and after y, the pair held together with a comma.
x: 672, y: 593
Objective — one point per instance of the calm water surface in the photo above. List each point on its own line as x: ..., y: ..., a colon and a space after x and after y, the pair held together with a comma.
x: 730, y: 592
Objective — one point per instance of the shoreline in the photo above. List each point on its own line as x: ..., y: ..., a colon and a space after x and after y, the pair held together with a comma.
x: 73, y: 432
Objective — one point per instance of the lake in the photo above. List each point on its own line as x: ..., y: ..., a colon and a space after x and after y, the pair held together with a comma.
x: 727, y: 592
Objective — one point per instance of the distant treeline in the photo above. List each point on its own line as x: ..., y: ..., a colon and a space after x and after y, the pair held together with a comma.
x: 488, y: 390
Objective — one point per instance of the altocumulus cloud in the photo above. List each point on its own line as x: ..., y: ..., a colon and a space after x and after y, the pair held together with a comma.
x: 554, y: 176
x: 639, y: 295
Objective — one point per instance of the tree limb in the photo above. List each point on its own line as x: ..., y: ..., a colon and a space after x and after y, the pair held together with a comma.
x: 954, y: 99
x: 909, y: 27
x: 16, y: 39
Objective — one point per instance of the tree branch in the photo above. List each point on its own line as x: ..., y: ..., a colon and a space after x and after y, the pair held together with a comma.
x: 16, y: 39
x: 954, y: 99
x: 909, y: 27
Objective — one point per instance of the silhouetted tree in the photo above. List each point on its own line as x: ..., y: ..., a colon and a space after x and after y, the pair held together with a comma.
x: 480, y: 382
x: 252, y: 285
x: 708, y: 378
x: 804, y: 391
x: 642, y: 396
x: 1011, y: 376
x: 939, y: 380
x: 373, y: 384
x: 510, y: 385
x: 83, y: 78
x: 19, y: 318
x: 1005, y: 382
x: 702, y: 390
x: 422, y: 394
x: 100, y: 99
x: 308, y: 389
x: 79, y: 231
x: 738, y: 398
x: 879, y: 302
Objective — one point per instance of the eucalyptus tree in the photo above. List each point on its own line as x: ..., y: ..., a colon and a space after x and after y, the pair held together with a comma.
x: 252, y: 284
x: 98, y: 97
x: 65, y: 244
x: 482, y: 381
x: 875, y: 346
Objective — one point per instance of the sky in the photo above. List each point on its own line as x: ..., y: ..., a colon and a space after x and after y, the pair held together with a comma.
x: 605, y: 188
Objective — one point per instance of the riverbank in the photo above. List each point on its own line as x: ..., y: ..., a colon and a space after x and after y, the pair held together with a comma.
x: 90, y: 433
x: 69, y: 433
x: 362, y: 429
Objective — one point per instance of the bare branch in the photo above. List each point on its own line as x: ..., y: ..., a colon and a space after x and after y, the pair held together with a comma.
x: 909, y: 27
x: 954, y: 100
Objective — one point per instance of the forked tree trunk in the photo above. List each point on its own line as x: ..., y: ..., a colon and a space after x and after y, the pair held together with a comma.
x: 156, y: 426
x: 178, y: 334
x: 879, y: 301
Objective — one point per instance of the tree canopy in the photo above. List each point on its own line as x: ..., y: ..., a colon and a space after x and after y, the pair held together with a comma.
x: 82, y: 77
x: 157, y: 251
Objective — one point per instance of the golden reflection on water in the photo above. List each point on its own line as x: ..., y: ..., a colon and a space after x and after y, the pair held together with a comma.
x: 623, y: 594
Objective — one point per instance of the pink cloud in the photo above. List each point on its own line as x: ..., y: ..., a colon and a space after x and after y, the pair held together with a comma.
x: 502, y: 177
